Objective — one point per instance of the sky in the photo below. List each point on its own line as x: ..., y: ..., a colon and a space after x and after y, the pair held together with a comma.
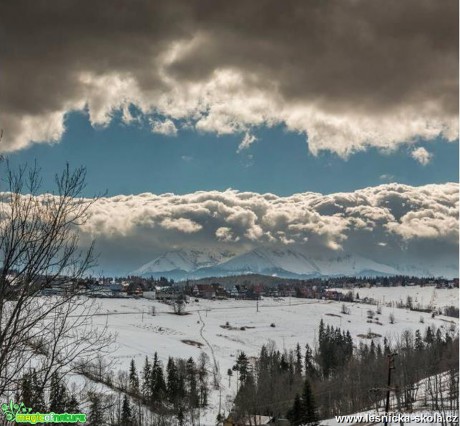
x: 224, y: 98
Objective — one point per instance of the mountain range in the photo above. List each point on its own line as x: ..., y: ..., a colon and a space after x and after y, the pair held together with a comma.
x: 283, y: 262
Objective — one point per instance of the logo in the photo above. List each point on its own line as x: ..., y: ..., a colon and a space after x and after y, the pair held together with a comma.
x: 19, y: 413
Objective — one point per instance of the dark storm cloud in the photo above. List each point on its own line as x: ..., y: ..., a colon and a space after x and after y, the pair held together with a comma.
x: 348, y: 73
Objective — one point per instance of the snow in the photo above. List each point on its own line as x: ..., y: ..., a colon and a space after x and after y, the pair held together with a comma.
x: 419, y: 413
x: 296, y: 321
x: 287, y: 262
x: 425, y: 296
x: 263, y: 260
x: 183, y: 260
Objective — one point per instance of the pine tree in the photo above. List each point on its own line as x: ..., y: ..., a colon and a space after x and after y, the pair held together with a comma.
x: 26, y: 390
x: 38, y: 398
x: 133, y: 379
x: 372, y: 350
x: 349, y: 344
x: 386, y: 346
x: 309, y: 411
x: 321, y: 333
x: 294, y: 415
x: 192, y: 383
x: 59, y: 398
x: 284, y: 365
x: 298, y: 361
x: 173, y: 381
x: 429, y: 337
x: 126, y: 412
x: 242, y: 366
x: 310, y: 370
x: 96, y: 414
x: 203, y: 379
x: 145, y: 389
x: 439, y: 340
x: 181, y: 391
x: 73, y: 406
x: 157, y: 382
x: 419, y: 346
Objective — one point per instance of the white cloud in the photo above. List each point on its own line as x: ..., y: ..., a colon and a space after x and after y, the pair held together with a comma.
x: 181, y: 224
x: 386, y: 177
x: 389, y: 223
x: 421, y: 155
x: 247, y: 141
x: 166, y: 127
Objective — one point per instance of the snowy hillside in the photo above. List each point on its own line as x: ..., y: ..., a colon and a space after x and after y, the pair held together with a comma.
x: 204, y: 330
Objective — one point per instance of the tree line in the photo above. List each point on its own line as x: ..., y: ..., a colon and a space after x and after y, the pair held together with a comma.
x: 152, y: 394
x: 307, y: 385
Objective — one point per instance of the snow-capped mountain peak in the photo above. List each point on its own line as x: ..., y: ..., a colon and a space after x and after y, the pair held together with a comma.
x: 183, y: 260
x: 288, y: 262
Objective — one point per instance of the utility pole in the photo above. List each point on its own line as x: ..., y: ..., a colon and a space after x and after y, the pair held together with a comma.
x: 391, y: 366
x: 220, y: 400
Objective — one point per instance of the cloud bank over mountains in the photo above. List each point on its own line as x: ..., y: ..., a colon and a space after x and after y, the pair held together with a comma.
x: 391, y: 224
x: 349, y: 74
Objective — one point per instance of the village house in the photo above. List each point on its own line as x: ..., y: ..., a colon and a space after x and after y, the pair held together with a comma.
x: 205, y: 291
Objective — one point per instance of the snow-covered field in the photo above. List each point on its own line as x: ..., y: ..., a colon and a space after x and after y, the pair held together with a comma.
x: 140, y: 334
x: 425, y: 296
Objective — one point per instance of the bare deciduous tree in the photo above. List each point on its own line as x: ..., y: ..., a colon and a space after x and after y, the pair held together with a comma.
x: 39, y: 249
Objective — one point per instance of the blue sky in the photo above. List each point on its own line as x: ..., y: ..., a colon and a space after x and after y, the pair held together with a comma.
x: 130, y: 159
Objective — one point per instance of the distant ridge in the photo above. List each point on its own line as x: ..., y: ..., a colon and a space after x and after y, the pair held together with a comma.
x: 283, y: 262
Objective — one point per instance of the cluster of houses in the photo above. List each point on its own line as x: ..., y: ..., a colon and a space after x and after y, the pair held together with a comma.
x: 258, y: 291
x: 167, y: 291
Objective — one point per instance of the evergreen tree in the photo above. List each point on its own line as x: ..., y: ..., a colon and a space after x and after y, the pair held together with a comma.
x: 294, y: 415
x: 26, y: 390
x: 160, y: 384
x: 439, y: 340
x: 284, y: 365
x: 126, y: 412
x: 309, y: 411
x: 146, y: 372
x: 59, y: 398
x: 242, y: 366
x: 429, y: 337
x: 173, y: 381
x: 73, y: 406
x: 321, y: 333
x: 192, y: 383
x: 157, y: 382
x: 38, y: 398
x: 203, y: 379
x: 419, y: 346
x: 372, y: 350
x: 133, y: 379
x: 349, y: 344
x: 386, y: 346
x: 310, y: 370
x: 96, y: 413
